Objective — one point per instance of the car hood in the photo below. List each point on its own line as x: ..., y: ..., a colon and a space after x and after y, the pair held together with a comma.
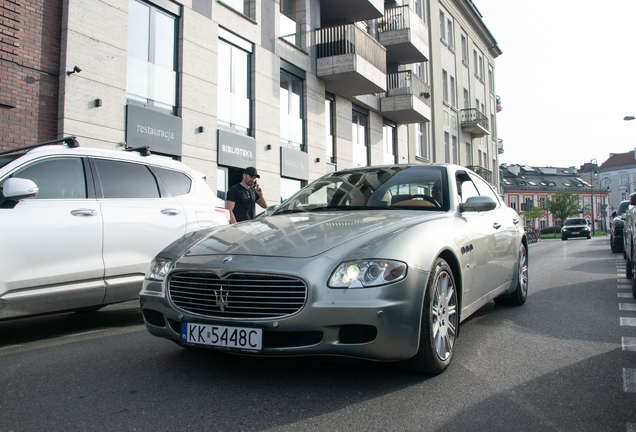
x: 299, y: 235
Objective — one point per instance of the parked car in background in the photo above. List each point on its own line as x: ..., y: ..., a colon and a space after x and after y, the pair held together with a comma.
x: 617, y: 224
x: 379, y: 263
x: 79, y: 226
x: 575, y: 227
x: 628, y: 241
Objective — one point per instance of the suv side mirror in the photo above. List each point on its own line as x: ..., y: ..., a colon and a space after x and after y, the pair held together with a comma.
x: 478, y: 204
x: 17, y: 189
x: 613, y: 214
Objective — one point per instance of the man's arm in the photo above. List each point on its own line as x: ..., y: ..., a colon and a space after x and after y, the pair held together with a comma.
x: 230, y: 206
x: 259, y: 192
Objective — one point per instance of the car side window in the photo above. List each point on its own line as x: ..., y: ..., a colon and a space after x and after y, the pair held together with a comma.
x: 466, y: 189
x: 126, y: 180
x: 484, y: 188
x: 56, y: 178
x: 177, y: 182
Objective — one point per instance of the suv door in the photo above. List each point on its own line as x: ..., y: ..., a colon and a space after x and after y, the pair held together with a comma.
x: 51, y: 254
x: 138, y: 223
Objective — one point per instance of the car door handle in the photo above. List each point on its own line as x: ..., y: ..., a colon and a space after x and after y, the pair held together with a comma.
x: 496, y: 225
x: 83, y: 212
x: 171, y: 212
x: 515, y: 221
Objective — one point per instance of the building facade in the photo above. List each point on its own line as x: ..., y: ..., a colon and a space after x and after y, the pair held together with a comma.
x: 526, y: 187
x: 618, y: 173
x: 297, y: 88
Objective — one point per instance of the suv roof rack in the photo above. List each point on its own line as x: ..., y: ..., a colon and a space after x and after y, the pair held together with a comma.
x: 70, y: 141
x: 144, y: 150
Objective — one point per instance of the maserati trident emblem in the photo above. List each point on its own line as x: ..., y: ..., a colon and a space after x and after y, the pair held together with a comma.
x: 221, y: 301
x: 227, y: 259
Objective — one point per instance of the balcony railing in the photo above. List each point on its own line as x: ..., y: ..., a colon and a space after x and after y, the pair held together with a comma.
x: 395, y: 19
x: 499, y: 107
x: 472, y: 115
x: 406, y: 82
x: 350, y: 39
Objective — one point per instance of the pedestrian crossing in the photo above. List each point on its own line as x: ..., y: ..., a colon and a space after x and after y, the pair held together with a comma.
x: 627, y: 320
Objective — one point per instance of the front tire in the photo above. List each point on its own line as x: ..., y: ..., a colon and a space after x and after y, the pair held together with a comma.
x: 518, y: 297
x: 628, y: 269
x: 440, y: 323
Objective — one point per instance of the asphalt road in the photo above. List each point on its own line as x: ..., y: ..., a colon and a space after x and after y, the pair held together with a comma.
x: 555, y: 364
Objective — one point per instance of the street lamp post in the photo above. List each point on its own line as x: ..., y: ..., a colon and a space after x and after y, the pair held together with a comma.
x: 595, y: 172
x: 606, y: 182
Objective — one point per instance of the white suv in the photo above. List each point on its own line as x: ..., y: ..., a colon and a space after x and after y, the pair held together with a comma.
x: 79, y: 227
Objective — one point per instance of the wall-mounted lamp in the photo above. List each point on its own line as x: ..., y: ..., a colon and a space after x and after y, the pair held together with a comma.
x: 98, y: 103
x: 317, y: 160
x: 268, y: 147
x: 75, y: 70
x: 200, y: 129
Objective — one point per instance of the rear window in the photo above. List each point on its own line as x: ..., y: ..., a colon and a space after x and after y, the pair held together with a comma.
x: 177, y: 182
x: 623, y: 207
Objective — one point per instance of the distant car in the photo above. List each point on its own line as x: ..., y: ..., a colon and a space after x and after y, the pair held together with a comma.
x: 617, y: 225
x: 629, y: 237
x: 379, y: 263
x: 575, y: 227
x: 79, y: 226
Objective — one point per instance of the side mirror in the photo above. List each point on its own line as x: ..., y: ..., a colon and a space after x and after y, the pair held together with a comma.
x: 478, y: 204
x: 17, y: 189
x: 613, y: 214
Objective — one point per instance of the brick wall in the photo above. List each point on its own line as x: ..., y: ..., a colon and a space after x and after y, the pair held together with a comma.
x: 30, y: 38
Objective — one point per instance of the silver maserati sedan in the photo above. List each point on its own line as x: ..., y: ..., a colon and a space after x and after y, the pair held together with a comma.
x: 379, y: 263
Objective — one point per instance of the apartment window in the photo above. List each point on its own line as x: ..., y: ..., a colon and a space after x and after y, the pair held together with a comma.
x: 423, y: 140
x: 330, y: 141
x: 466, y: 99
x: 152, y: 55
x: 390, y: 150
x: 477, y: 103
x: 542, y: 204
x: 464, y: 42
x: 453, y: 101
x: 288, y: 187
x: 623, y: 180
x: 360, y: 138
x: 469, y: 155
x: 287, y: 23
x: 445, y: 85
x: 483, y: 109
x: 475, y: 62
x: 242, y: 6
x: 513, y: 202
x: 447, y: 150
x: 291, y: 109
x: 421, y: 70
x: 442, y: 27
x: 418, y: 8
x: 234, y: 92
x: 481, y: 67
x: 491, y: 79
x: 449, y: 29
x: 455, y: 150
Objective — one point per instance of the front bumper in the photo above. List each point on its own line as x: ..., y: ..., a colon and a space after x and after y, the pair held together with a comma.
x: 576, y: 233
x: 380, y: 323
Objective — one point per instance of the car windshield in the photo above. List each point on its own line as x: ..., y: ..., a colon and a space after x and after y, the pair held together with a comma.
x: 623, y: 207
x: 390, y: 187
x: 575, y: 222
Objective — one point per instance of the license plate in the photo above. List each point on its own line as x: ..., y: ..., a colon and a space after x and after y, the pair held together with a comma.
x: 575, y: 232
x: 221, y: 336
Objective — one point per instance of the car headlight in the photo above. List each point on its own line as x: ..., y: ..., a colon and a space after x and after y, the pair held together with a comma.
x: 367, y: 273
x: 158, y: 269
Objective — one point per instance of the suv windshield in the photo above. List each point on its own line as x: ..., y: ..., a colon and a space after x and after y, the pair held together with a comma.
x: 393, y: 187
x: 576, y: 222
x: 623, y: 207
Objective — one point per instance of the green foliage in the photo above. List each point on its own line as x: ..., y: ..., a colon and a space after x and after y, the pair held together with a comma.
x: 565, y: 204
x: 531, y: 215
x: 551, y: 230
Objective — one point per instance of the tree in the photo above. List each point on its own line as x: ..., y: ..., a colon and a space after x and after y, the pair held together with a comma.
x: 531, y: 215
x: 565, y: 204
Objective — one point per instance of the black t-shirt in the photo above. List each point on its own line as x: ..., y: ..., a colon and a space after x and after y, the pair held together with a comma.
x: 244, y: 202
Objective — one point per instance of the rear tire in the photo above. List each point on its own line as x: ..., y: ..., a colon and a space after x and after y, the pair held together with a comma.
x: 440, y: 323
x: 629, y: 273
x: 612, y: 245
x: 518, y: 297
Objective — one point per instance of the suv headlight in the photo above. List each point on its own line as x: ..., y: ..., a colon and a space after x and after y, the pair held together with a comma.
x: 367, y: 273
x: 158, y: 269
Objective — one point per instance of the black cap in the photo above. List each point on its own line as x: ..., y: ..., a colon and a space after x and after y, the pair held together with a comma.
x: 251, y: 171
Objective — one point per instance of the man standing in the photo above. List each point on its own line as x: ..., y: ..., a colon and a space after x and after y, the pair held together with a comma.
x: 241, y: 197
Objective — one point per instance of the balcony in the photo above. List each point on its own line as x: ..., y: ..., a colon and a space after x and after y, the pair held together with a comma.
x: 350, y: 61
x: 400, y: 31
x: 334, y: 12
x: 407, y: 99
x: 499, y: 107
x: 474, y: 122
x: 500, y: 147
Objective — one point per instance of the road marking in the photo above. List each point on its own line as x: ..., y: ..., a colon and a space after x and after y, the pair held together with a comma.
x: 627, y: 306
x: 631, y: 427
x: 629, y: 380
x: 625, y: 295
x: 628, y: 322
x: 623, y: 280
x: 628, y: 343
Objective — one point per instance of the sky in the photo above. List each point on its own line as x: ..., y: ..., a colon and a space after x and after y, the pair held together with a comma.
x: 566, y: 78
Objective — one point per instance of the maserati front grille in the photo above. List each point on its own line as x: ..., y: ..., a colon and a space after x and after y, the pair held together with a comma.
x: 240, y: 295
